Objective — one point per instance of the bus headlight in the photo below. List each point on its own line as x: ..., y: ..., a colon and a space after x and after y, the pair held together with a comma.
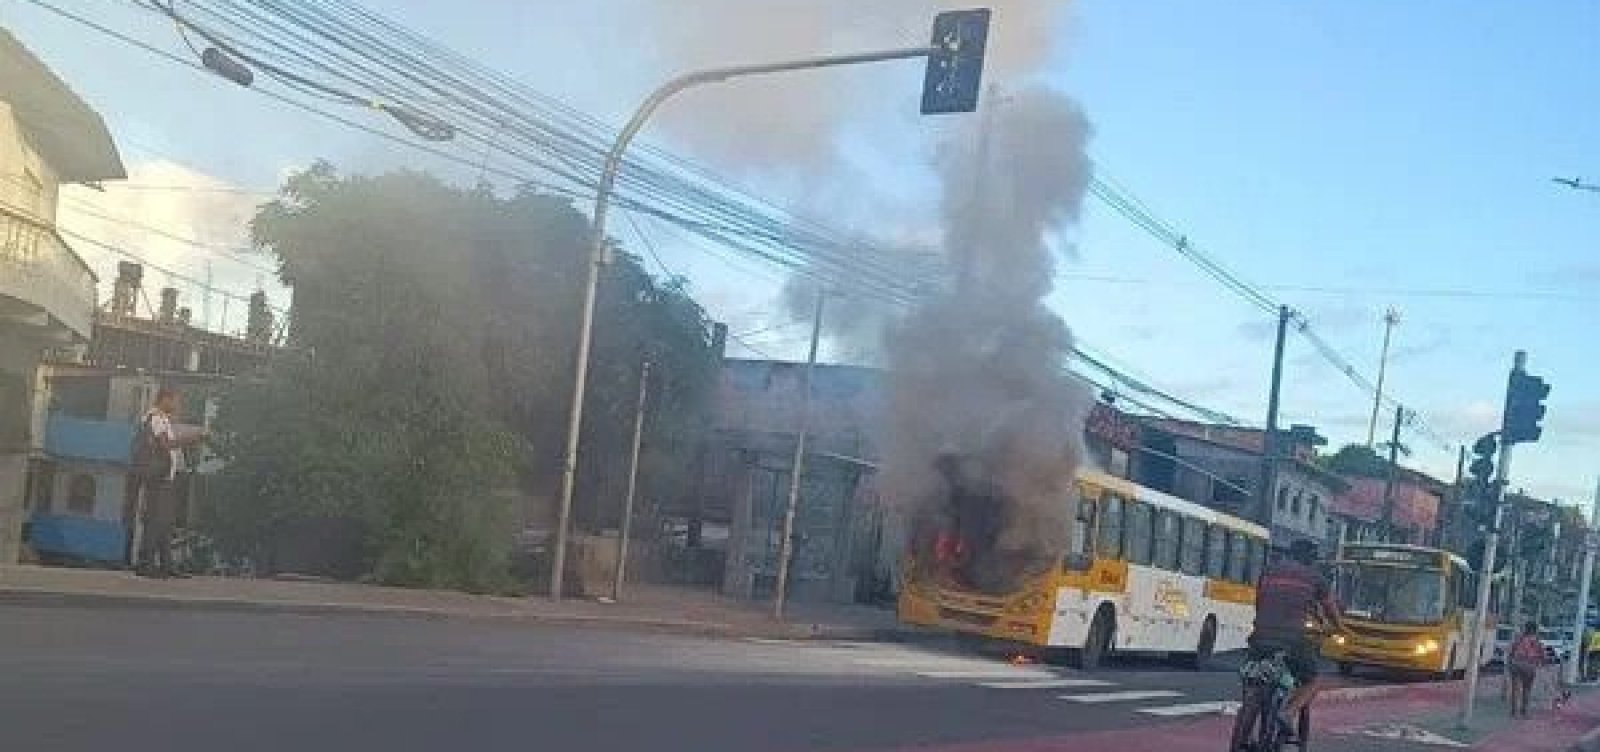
x: 1340, y: 639
x: 1426, y: 646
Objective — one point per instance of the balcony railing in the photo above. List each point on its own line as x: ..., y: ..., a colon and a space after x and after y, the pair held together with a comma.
x: 41, y: 275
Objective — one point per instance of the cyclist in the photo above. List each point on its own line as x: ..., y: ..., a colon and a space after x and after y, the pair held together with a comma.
x: 1290, y: 596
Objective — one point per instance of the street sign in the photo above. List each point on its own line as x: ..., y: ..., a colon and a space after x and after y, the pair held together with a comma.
x: 955, y: 68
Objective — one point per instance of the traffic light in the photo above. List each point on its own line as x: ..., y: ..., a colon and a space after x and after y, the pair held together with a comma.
x: 1482, y: 467
x: 1525, y: 395
x: 955, y: 68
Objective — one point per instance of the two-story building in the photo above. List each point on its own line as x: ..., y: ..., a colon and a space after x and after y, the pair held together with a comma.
x: 1220, y: 466
x: 49, y: 137
x: 89, y: 400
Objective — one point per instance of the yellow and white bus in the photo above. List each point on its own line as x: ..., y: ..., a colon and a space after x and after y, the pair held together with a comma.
x: 1407, y: 607
x: 1146, y: 572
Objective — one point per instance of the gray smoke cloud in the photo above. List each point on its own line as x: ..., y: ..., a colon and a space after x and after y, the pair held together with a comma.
x: 986, y: 427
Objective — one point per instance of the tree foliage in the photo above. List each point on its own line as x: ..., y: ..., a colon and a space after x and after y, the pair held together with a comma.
x: 434, y: 332
x: 1356, y: 460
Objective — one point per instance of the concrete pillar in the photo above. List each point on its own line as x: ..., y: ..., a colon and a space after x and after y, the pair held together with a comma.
x: 19, y: 360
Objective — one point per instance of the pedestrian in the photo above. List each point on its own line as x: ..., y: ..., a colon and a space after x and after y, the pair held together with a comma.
x: 156, y: 454
x: 1525, y: 658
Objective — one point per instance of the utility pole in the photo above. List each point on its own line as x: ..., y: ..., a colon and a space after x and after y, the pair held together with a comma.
x: 797, y: 468
x: 1580, y: 620
x: 633, y: 484
x: 951, y: 83
x: 1444, y: 528
x: 1390, y: 318
x: 1394, y: 469
x: 1269, y: 437
x: 1491, y: 544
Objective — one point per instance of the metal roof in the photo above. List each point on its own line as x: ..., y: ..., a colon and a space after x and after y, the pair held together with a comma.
x: 67, y: 132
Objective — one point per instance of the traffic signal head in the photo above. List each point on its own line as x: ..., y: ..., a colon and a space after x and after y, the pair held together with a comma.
x: 955, y: 68
x: 1525, y: 408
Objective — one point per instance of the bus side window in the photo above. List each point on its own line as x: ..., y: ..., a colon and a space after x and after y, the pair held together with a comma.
x: 1109, y: 543
x: 1140, y: 526
x: 1258, y: 561
x: 1193, y: 557
x: 1216, y: 552
x: 1083, y: 527
x: 1238, y: 556
x: 1168, y: 536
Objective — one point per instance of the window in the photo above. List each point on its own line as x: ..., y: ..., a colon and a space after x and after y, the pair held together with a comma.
x: 1110, y: 544
x: 1238, y: 556
x: 1216, y: 552
x: 1283, y: 499
x: 1315, y: 505
x: 1083, y: 527
x: 80, y: 494
x: 1294, y: 507
x: 1140, y: 527
x: 1258, y: 560
x: 1193, y: 557
x: 1168, y: 532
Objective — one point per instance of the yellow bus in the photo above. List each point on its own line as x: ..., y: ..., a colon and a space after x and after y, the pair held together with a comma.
x: 1407, y: 607
x: 1145, y: 572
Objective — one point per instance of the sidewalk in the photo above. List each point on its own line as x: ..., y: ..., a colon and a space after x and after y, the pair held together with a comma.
x: 682, y: 609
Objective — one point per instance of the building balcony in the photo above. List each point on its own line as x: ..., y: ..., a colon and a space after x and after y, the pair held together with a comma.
x: 44, y: 286
x: 89, y: 440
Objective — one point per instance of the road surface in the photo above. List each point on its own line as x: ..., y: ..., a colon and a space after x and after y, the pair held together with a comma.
x: 147, y: 680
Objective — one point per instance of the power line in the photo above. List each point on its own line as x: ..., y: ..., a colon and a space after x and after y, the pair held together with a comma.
x: 1134, y: 210
x: 173, y: 273
x: 221, y: 251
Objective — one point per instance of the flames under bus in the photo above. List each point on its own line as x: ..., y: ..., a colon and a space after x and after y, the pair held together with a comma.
x: 1407, y: 607
x: 1145, y: 572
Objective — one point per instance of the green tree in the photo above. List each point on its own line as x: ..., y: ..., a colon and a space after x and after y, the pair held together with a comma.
x: 435, y: 330
x: 1356, y: 460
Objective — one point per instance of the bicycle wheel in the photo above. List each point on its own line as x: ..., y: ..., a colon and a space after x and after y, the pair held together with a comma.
x: 1304, y: 735
x: 1270, y: 732
x: 1244, y: 724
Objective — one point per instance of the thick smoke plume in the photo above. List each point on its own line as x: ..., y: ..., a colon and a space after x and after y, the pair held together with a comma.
x: 986, y: 427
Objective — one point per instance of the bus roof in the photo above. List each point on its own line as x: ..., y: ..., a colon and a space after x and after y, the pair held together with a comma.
x: 1167, y: 501
x: 1455, y: 558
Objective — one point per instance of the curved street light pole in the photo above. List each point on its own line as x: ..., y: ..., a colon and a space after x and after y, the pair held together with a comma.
x: 599, y: 251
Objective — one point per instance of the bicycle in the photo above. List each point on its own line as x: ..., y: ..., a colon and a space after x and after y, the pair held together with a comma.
x: 1267, y: 686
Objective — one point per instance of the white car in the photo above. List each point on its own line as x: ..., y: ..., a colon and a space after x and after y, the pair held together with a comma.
x: 1557, y: 644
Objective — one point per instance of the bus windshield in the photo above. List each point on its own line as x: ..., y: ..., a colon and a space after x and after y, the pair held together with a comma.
x: 1390, y: 594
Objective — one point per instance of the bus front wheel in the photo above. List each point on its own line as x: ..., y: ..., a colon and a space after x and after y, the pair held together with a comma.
x: 1346, y: 668
x: 1098, y: 642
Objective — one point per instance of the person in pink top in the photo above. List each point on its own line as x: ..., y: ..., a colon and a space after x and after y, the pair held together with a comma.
x: 1523, y: 661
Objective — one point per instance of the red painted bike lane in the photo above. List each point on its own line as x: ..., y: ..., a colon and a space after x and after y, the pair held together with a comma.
x: 1344, y: 723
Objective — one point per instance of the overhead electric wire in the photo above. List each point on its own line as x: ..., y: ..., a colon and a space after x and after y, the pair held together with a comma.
x: 1134, y: 211
x: 696, y: 199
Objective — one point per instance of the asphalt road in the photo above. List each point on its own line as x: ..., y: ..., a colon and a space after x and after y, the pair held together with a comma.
x: 144, y: 680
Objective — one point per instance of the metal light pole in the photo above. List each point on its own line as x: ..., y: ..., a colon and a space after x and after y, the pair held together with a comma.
x: 1580, y: 620
x: 633, y: 484
x: 1486, y: 577
x: 599, y: 251
x: 797, y: 468
x: 1269, y: 438
x: 1390, y: 318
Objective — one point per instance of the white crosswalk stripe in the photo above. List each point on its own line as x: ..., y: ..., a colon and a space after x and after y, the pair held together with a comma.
x: 1124, y: 696
x: 1045, y: 684
x: 988, y: 673
x: 1221, y: 707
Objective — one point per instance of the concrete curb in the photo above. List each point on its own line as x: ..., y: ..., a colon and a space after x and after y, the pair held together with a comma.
x: 26, y: 596
x: 1359, y: 694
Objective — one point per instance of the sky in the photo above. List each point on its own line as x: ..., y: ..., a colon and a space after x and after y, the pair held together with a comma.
x: 1345, y: 156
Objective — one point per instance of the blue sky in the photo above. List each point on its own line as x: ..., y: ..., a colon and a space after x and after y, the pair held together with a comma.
x: 1348, y: 156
